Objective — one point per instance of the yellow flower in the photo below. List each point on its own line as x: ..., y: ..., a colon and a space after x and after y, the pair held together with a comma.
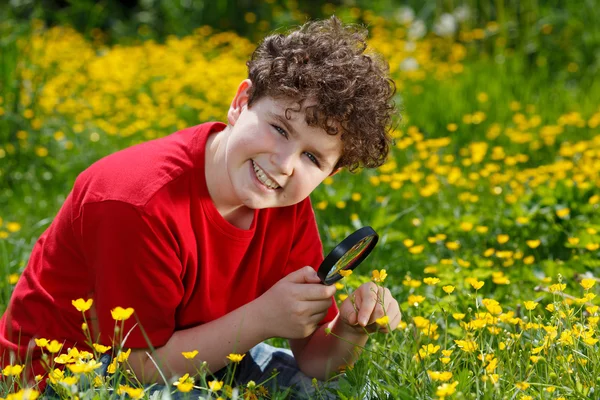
x: 134, y: 393
x: 84, y: 367
x: 502, y: 238
x: 24, y: 394
x: 123, y: 355
x: 215, y: 385
x: 443, y: 376
x: 458, y: 316
x: 415, y: 299
x: 530, y: 305
x: 12, y: 370
x: 185, y: 384
x: 383, y: 321
x: 431, y: 281
x: 448, y: 289
x: 190, y: 354
x: 522, y: 385
x: 100, y: 348
x: 379, y: 276
x: 345, y: 272
x: 82, y: 305
x: 408, y: 242
x: 41, y: 342
x: 53, y: 347
x: 121, y: 314
x: 563, y: 213
x: 236, y: 358
x: 550, y: 307
x: 447, y: 389
x: 557, y: 287
x: 416, y: 249
x: 468, y: 346
x: 533, y: 243
x: 476, y: 284
x: 428, y: 349
x: 587, y: 283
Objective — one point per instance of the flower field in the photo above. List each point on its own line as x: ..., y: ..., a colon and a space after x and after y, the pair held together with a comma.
x: 487, y: 209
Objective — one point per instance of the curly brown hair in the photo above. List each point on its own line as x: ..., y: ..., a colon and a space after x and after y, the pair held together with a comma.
x: 326, y: 61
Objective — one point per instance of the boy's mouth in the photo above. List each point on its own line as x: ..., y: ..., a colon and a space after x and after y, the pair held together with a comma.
x: 264, y: 178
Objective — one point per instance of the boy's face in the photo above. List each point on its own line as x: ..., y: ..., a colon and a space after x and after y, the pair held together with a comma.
x: 273, y: 161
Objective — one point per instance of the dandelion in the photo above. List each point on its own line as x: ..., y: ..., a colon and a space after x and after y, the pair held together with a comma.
x: 236, y: 358
x: 82, y: 305
x: 121, y: 314
x: 189, y: 354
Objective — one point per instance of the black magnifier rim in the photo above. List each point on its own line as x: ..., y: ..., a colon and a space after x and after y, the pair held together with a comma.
x: 338, y: 252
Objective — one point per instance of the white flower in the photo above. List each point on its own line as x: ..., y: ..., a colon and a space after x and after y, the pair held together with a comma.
x: 409, y: 64
x: 405, y: 15
x: 410, y: 46
x: 417, y: 30
x: 462, y: 13
x: 446, y: 26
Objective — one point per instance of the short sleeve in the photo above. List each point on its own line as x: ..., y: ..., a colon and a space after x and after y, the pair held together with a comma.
x: 133, y: 259
x: 307, y: 248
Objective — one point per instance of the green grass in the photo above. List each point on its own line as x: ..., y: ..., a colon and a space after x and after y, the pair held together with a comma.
x: 440, y: 204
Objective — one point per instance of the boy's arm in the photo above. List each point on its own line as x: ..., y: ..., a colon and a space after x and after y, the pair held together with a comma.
x: 291, y: 308
x: 322, y: 353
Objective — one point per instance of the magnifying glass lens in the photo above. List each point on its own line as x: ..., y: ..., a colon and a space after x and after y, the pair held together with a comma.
x: 348, y: 259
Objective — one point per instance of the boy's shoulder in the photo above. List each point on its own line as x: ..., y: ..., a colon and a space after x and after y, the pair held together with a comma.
x: 133, y: 175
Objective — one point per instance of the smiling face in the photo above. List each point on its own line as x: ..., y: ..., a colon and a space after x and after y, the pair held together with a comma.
x: 273, y: 161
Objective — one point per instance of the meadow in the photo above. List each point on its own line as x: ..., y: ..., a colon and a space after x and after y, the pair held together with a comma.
x: 487, y: 209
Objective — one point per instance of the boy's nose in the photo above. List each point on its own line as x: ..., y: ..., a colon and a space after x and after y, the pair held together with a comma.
x: 284, y: 162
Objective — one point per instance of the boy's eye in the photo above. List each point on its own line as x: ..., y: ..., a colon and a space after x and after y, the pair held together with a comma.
x: 280, y: 130
x: 313, y: 159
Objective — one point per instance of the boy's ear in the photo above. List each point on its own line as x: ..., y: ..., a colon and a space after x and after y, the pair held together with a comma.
x: 239, y: 102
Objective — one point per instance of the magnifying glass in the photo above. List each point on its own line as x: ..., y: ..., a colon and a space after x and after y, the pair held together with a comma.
x: 347, y: 255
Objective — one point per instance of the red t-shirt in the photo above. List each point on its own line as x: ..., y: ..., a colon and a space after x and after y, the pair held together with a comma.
x: 140, y: 230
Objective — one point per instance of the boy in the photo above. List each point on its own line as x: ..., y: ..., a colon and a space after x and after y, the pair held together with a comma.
x: 208, y: 234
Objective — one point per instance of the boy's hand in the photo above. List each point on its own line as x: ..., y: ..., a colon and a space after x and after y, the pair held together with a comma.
x: 293, y: 307
x: 367, y: 304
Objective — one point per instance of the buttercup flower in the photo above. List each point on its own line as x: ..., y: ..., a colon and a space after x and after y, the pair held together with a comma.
x: 82, y: 305
x: 236, y: 358
x: 190, y: 354
x: 121, y: 314
x: 379, y: 276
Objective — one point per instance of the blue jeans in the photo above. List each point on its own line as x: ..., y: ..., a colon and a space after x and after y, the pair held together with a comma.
x: 258, y: 365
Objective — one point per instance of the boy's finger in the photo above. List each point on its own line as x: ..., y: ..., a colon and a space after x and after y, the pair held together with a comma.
x: 366, y: 304
x: 303, y: 275
x: 312, y: 291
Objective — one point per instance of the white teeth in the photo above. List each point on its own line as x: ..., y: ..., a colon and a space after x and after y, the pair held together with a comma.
x: 262, y: 177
